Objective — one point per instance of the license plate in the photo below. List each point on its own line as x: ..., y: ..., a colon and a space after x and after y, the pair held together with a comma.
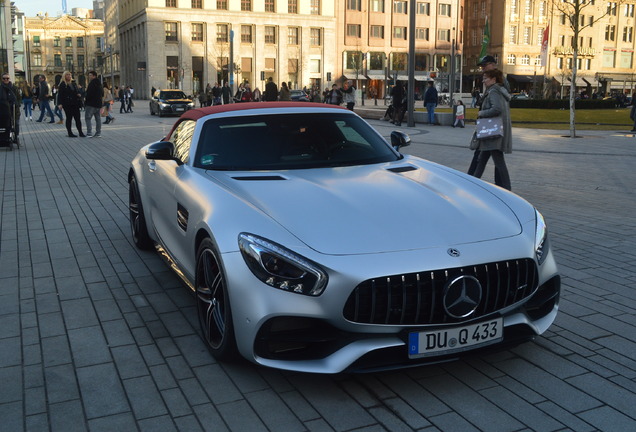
x: 455, y: 339
x: 180, y: 109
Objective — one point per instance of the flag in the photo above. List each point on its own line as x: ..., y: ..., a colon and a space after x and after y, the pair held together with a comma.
x: 485, y: 41
x: 544, y: 46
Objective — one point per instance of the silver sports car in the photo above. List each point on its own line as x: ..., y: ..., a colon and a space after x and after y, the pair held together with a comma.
x: 314, y: 245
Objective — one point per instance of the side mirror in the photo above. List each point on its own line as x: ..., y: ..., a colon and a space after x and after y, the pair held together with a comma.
x: 162, y: 150
x: 399, y: 140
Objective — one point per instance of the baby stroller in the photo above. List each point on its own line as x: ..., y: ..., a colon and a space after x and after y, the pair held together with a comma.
x: 8, y: 130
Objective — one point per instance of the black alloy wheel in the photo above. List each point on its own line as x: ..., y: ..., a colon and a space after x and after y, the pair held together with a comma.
x: 138, y: 226
x: 213, y: 306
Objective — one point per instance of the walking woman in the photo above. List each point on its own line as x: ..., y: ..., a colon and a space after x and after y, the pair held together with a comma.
x: 69, y: 98
x: 108, y: 102
x: 285, y: 94
x: 495, y: 103
x: 27, y: 100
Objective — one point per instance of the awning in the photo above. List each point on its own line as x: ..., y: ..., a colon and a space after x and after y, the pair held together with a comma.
x: 580, y: 82
x: 590, y: 81
x: 521, y: 78
x: 376, y: 76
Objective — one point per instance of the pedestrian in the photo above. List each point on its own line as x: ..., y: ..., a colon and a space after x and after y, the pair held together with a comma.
x: 475, y: 95
x: 459, y: 114
x: 128, y: 93
x: 44, y: 94
x: 430, y: 101
x: 9, y: 97
x: 69, y: 98
x: 349, y: 95
x: 225, y: 93
x: 632, y: 115
x: 271, y: 91
x: 214, y: 96
x: 397, y: 102
x: 56, y: 107
x: 107, y: 104
x: 121, y: 96
x: 152, y: 91
x: 495, y: 103
x: 27, y: 100
x: 256, y: 95
x: 285, y: 94
x: 93, y: 103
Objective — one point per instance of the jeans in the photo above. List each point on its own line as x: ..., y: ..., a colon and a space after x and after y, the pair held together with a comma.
x: 430, y: 108
x: 45, y: 105
x: 89, y: 113
x: 500, y: 166
x: 28, y: 110
x: 58, y: 112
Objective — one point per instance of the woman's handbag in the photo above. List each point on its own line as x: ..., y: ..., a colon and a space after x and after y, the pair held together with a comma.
x: 490, y: 127
x: 474, y: 142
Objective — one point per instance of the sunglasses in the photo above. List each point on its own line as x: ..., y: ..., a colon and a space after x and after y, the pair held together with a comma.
x: 6, y: 78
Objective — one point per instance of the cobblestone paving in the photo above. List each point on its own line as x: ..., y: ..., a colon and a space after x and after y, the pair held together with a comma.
x: 96, y: 335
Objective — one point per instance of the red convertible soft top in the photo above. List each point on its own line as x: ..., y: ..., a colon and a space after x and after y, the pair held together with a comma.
x: 197, y: 113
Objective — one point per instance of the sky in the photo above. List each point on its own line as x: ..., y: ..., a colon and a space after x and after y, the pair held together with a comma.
x: 53, y: 7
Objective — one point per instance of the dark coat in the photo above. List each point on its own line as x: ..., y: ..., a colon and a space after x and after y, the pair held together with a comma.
x: 68, y: 95
x: 496, y: 102
x: 94, y: 94
x: 271, y: 91
x: 431, y: 95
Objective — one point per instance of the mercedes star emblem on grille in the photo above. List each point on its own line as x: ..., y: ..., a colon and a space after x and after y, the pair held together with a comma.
x: 462, y: 296
x: 453, y: 252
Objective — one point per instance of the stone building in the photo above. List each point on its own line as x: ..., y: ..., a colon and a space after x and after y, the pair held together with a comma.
x: 54, y: 45
x: 605, y: 44
x: 189, y: 43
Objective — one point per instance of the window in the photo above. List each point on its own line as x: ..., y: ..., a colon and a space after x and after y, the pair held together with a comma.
x: 626, y: 60
x: 376, y: 61
x: 588, y: 64
x: 512, y: 59
x: 315, y: 38
x: 80, y: 42
x: 540, y: 31
x: 562, y: 19
x: 171, y: 31
x: 444, y: 9
x: 512, y: 37
x: 314, y: 65
x: 528, y: 8
x: 314, y: 7
x: 80, y: 61
x: 610, y: 31
x: 400, y: 7
x: 443, y: 35
x: 270, y: 34
x: 609, y: 58
x: 246, y: 5
x: 222, y: 33
x: 398, y: 61
x: 611, y: 8
x: 246, y: 34
x: 527, y: 35
x: 182, y: 139
x: 197, y: 32
x: 537, y: 60
x: 377, y: 5
x: 421, y: 62
x: 421, y: 33
x: 98, y: 43
x: 56, y: 41
x: 36, y: 43
x: 68, y: 42
x: 171, y: 3
x: 270, y: 6
x: 628, y: 34
x: 399, y: 33
x: 423, y: 8
x: 560, y: 63
x: 57, y: 60
x: 354, y: 60
x: 514, y: 7
x: 629, y: 10
x: 525, y: 60
x: 377, y: 31
x: 69, y: 61
x: 353, y: 30
x: 37, y: 59
x: 542, y: 9
x: 292, y: 6
x: 292, y: 35
x: 354, y: 5
x: 221, y: 4
x: 197, y: 4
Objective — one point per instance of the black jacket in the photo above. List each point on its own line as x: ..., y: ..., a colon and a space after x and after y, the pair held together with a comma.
x: 68, y: 95
x: 94, y: 94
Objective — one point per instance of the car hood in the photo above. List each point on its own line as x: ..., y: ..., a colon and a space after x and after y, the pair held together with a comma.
x: 176, y: 100
x: 367, y: 209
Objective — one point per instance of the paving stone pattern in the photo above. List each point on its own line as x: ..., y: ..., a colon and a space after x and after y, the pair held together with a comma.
x: 96, y: 335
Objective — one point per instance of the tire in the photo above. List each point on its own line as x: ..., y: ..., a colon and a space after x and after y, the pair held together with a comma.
x: 138, y: 227
x: 160, y: 113
x: 213, y: 305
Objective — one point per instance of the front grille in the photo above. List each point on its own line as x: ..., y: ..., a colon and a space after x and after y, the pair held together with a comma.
x: 416, y: 298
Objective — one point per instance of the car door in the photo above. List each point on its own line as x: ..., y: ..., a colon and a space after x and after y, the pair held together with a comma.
x: 169, y: 217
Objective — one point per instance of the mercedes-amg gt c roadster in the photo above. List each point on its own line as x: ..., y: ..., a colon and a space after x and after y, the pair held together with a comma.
x: 312, y: 244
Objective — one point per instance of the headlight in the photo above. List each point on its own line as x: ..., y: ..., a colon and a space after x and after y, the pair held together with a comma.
x: 541, y: 245
x: 163, y: 105
x: 191, y: 105
x: 281, y: 268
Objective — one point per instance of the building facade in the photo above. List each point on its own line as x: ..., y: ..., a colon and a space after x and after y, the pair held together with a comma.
x: 54, y: 45
x: 605, y: 44
x: 187, y: 44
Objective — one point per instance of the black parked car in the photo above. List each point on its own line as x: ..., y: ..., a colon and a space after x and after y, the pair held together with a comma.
x: 299, y: 96
x: 170, y: 102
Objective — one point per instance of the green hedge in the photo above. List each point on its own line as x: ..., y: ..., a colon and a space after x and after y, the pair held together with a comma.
x: 563, y: 103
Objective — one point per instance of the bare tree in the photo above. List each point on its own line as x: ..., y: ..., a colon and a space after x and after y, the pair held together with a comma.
x: 572, y: 13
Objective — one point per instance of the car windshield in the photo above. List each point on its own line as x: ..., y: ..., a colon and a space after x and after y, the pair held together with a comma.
x: 172, y: 95
x: 290, y: 141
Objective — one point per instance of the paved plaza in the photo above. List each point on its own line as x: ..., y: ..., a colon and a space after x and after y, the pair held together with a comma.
x: 96, y: 335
